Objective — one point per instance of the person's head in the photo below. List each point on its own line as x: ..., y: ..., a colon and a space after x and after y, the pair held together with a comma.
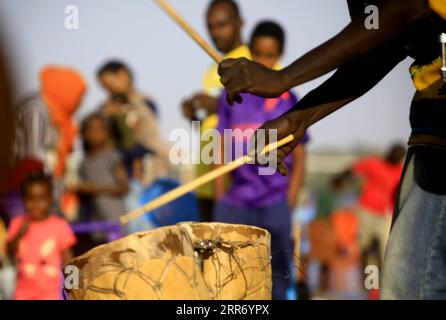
x: 225, y: 24
x: 267, y: 43
x: 341, y: 181
x: 116, y: 78
x: 396, y: 154
x: 37, y: 195
x: 95, y: 132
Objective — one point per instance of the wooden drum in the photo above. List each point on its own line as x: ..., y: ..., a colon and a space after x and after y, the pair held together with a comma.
x: 189, y: 261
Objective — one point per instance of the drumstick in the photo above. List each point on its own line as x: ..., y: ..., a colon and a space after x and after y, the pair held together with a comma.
x: 163, y: 4
x: 192, y: 185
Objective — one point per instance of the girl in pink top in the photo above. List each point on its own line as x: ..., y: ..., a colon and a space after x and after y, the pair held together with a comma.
x: 40, y: 242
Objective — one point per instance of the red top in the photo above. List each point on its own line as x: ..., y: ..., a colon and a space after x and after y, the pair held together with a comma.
x: 39, y: 257
x: 381, y: 183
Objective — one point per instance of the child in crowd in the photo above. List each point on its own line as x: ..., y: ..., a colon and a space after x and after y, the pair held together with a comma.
x: 133, y: 118
x: 103, y: 177
x: 263, y: 201
x: 40, y: 242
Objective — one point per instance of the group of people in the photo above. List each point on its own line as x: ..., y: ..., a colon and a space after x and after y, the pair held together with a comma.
x: 414, y: 262
x: 245, y: 196
x: 122, y: 148
x: 116, y: 140
x: 349, y: 231
x: 248, y: 90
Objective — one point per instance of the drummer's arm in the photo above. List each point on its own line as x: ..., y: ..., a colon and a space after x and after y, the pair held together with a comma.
x: 395, y: 16
x: 348, y: 83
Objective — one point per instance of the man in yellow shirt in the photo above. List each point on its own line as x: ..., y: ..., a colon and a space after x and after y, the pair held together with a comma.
x: 224, y: 23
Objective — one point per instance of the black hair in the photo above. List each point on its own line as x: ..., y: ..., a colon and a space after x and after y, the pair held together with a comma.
x: 270, y: 29
x: 86, y: 122
x: 396, y: 153
x: 36, y: 178
x: 114, y: 66
x: 232, y: 3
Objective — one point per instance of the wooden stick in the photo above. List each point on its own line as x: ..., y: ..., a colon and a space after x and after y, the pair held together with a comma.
x: 188, y: 187
x: 163, y: 4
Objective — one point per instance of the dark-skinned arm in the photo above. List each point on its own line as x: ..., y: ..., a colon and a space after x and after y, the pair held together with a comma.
x: 13, y: 245
x: 354, y: 41
x: 347, y: 84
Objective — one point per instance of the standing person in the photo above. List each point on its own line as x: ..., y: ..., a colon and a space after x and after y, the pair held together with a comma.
x: 380, y: 178
x: 40, y: 242
x: 265, y: 201
x: 45, y: 130
x: 415, y: 261
x: 103, y: 178
x: 133, y: 117
x: 224, y: 22
x: 44, y: 126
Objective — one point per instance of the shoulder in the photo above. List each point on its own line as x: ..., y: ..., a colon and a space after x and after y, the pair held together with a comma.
x: 241, y: 52
x: 151, y: 105
x: 112, y: 153
x: 32, y: 105
x: 58, y: 224
x: 54, y: 219
x: 16, y: 221
x: 371, y: 161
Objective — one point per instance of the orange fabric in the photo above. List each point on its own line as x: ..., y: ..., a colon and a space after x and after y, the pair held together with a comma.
x: 322, y: 240
x: 345, y: 226
x: 62, y: 90
x: 69, y: 204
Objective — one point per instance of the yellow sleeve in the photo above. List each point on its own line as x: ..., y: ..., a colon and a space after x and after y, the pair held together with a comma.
x: 439, y: 7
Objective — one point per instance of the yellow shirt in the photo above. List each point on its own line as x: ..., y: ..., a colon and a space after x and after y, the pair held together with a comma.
x: 213, y: 87
x: 425, y: 75
x: 438, y: 6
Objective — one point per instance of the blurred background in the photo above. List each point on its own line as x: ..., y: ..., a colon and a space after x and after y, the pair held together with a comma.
x: 167, y: 66
x: 170, y: 66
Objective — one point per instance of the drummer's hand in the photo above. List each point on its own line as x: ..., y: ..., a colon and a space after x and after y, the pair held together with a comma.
x: 285, y: 125
x: 245, y: 76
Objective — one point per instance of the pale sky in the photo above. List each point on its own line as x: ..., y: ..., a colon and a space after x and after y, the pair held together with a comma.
x: 169, y: 66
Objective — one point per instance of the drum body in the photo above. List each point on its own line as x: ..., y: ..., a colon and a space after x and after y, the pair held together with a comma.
x: 189, y: 261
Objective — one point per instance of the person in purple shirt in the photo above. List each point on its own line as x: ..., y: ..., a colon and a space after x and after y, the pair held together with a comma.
x: 264, y: 201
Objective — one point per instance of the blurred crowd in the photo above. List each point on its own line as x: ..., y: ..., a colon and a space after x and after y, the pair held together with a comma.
x: 54, y: 205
